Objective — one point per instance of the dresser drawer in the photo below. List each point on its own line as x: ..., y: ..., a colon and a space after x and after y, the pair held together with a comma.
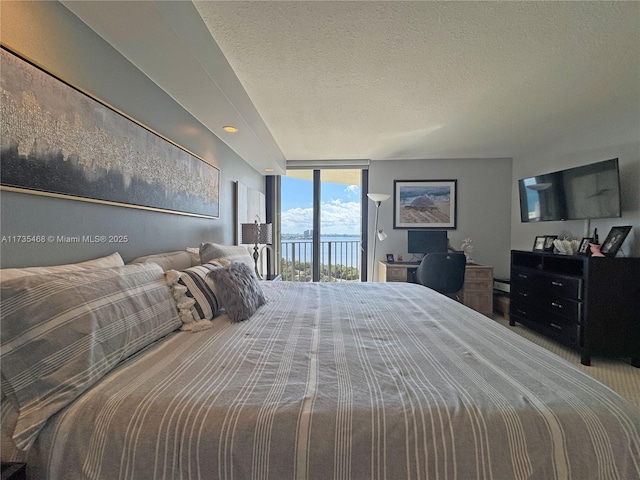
x: 524, y: 275
x: 570, y: 309
x: 478, y: 274
x: 561, y: 287
x: 563, y: 329
x: 522, y: 294
x: 522, y: 309
x: 559, y: 327
x: 545, y: 307
x: 546, y: 284
x: 478, y: 286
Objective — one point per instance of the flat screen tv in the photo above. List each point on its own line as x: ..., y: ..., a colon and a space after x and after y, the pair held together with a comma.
x: 589, y: 191
x: 426, y: 241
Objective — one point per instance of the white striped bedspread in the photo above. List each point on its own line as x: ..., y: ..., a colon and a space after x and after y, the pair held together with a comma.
x: 345, y: 381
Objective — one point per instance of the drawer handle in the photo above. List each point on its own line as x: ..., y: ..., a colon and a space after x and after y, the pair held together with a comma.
x: 522, y: 294
x: 523, y: 313
x: 558, y: 327
x: 557, y: 305
x: 522, y: 275
x: 557, y: 284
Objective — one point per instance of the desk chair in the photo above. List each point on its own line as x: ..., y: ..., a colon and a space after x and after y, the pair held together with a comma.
x: 442, y: 272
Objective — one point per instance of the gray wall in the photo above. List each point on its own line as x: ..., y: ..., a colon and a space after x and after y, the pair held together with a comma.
x: 484, y: 205
x: 598, y: 139
x: 51, y: 36
x: 48, y: 34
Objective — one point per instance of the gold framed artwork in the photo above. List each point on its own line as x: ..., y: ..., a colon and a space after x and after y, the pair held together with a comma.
x: 59, y: 141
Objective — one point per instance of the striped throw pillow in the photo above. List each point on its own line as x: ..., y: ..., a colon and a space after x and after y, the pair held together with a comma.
x: 113, y: 260
x: 61, y: 333
x: 197, y: 303
x: 171, y: 260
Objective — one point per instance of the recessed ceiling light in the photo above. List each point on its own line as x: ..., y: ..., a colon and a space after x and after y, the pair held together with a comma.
x: 268, y: 170
x: 230, y: 129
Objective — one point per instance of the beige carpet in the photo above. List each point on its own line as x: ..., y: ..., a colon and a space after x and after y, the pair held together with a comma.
x: 618, y: 375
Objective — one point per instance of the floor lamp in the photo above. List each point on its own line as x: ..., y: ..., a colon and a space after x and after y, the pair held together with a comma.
x: 377, y: 198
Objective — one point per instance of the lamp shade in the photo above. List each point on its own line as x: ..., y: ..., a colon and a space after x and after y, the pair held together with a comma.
x: 249, y: 233
x: 256, y: 233
x: 381, y: 235
x: 265, y: 233
x: 378, y: 197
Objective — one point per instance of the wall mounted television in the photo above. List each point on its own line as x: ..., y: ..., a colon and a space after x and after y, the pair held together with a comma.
x: 585, y: 192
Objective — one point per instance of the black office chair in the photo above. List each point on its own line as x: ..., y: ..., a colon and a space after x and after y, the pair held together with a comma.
x: 443, y: 272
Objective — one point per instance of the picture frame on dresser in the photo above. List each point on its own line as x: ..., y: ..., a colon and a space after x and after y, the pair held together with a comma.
x: 614, y: 240
x: 538, y: 244
x: 583, y: 249
x: 548, y: 242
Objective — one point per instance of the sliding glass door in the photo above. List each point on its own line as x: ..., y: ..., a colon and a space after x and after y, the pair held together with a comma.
x: 296, y: 226
x: 321, y: 225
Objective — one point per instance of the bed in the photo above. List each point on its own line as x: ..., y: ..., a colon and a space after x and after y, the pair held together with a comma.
x: 321, y: 381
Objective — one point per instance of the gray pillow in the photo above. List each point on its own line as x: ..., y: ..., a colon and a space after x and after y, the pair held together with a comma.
x: 62, y: 332
x: 238, y: 290
x: 232, y: 253
x: 171, y: 260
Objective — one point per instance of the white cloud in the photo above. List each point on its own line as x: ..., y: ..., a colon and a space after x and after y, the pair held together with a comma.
x: 352, y: 189
x: 336, y: 216
x: 297, y: 220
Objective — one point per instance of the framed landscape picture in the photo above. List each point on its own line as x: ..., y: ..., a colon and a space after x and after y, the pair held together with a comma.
x: 422, y: 204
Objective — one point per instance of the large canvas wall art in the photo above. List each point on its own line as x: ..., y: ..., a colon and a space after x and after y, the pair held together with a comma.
x: 59, y: 141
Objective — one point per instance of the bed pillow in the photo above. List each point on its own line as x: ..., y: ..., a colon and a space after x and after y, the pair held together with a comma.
x: 238, y: 290
x: 113, y: 260
x: 60, y: 333
x: 8, y: 419
x: 178, y: 260
x: 230, y: 253
x: 196, y: 302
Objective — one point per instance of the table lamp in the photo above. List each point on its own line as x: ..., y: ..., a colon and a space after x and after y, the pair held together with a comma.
x: 257, y: 234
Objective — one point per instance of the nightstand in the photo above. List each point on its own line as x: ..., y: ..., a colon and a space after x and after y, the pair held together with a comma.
x: 14, y: 471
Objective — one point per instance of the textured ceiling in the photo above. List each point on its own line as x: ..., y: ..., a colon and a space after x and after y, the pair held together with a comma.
x: 386, y: 80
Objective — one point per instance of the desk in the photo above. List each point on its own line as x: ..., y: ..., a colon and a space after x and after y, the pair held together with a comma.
x: 477, y: 291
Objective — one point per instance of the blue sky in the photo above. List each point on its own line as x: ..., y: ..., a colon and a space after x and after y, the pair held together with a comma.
x: 340, y: 209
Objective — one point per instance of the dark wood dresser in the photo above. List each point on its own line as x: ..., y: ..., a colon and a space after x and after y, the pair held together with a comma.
x: 591, y: 304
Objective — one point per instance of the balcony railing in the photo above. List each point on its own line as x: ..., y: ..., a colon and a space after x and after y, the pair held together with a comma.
x: 339, y: 260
